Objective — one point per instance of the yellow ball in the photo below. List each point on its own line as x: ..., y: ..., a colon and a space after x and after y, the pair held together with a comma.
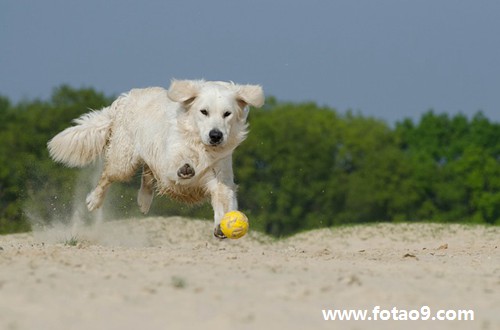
x: 234, y: 224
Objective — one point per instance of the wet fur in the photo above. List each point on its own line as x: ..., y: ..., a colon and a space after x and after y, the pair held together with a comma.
x: 162, y: 130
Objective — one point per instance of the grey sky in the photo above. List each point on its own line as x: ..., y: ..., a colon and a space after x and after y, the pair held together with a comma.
x: 388, y: 59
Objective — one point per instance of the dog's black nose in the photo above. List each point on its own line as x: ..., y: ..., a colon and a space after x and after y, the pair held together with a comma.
x: 215, y: 136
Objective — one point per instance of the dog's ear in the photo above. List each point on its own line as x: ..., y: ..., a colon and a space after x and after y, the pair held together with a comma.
x: 183, y: 91
x: 250, y: 95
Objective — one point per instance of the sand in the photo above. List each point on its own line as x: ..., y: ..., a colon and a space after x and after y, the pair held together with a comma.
x: 169, y: 273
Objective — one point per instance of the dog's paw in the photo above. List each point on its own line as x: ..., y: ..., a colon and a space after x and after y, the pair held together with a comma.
x: 185, y: 172
x: 93, y: 201
x: 144, y: 200
x: 218, y: 233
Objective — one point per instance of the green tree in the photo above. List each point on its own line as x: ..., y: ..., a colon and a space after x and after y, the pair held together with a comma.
x: 306, y: 167
x: 303, y: 166
x: 28, y: 178
x: 456, y: 163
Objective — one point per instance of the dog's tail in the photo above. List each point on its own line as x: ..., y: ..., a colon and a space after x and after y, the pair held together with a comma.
x: 81, y: 144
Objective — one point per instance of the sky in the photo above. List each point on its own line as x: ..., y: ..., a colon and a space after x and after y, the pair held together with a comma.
x: 386, y: 59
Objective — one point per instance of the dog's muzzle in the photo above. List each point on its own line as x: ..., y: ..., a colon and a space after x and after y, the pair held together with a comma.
x: 216, y: 137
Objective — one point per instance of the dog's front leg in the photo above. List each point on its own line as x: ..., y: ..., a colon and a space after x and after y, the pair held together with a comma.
x: 223, y: 197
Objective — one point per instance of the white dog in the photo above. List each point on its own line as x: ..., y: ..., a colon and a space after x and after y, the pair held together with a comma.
x: 182, y: 137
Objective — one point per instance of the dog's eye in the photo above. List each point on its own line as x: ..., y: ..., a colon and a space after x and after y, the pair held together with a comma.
x: 227, y: 114
x: 204, y: 112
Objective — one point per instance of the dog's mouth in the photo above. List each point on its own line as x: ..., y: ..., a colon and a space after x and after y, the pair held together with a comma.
x: 210, y: 145
x: 214, y: 144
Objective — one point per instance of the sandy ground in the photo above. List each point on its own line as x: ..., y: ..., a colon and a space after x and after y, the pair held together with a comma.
x: 169, y: 273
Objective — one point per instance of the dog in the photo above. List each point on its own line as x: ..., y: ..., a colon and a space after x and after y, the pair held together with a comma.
x: 183, y: 138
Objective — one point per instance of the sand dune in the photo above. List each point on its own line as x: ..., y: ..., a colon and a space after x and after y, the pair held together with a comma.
x: 169, y: 273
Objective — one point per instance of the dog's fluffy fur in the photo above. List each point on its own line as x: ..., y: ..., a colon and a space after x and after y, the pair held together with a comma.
x: 183, y: 138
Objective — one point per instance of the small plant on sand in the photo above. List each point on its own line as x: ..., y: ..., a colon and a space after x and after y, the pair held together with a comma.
x: 178, y: 282
x: 72, y: 241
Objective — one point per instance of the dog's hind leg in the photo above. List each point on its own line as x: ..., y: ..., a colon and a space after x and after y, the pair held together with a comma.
x: 111, y: 173
x: 145, y: 195
x: 96, y: 197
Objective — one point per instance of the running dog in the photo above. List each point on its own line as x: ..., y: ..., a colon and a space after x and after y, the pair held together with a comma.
x: 183, y: 138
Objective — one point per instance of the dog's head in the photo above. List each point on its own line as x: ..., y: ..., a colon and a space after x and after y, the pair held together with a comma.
x: 218, y: 110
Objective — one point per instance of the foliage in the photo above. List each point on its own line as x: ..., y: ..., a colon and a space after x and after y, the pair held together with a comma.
x: 27, y: 175
x: 302, y: 167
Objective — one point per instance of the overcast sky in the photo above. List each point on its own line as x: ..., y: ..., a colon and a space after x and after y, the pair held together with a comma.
x: 387, y: 59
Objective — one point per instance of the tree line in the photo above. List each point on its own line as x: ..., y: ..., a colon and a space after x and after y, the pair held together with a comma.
x: 303, y: 166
